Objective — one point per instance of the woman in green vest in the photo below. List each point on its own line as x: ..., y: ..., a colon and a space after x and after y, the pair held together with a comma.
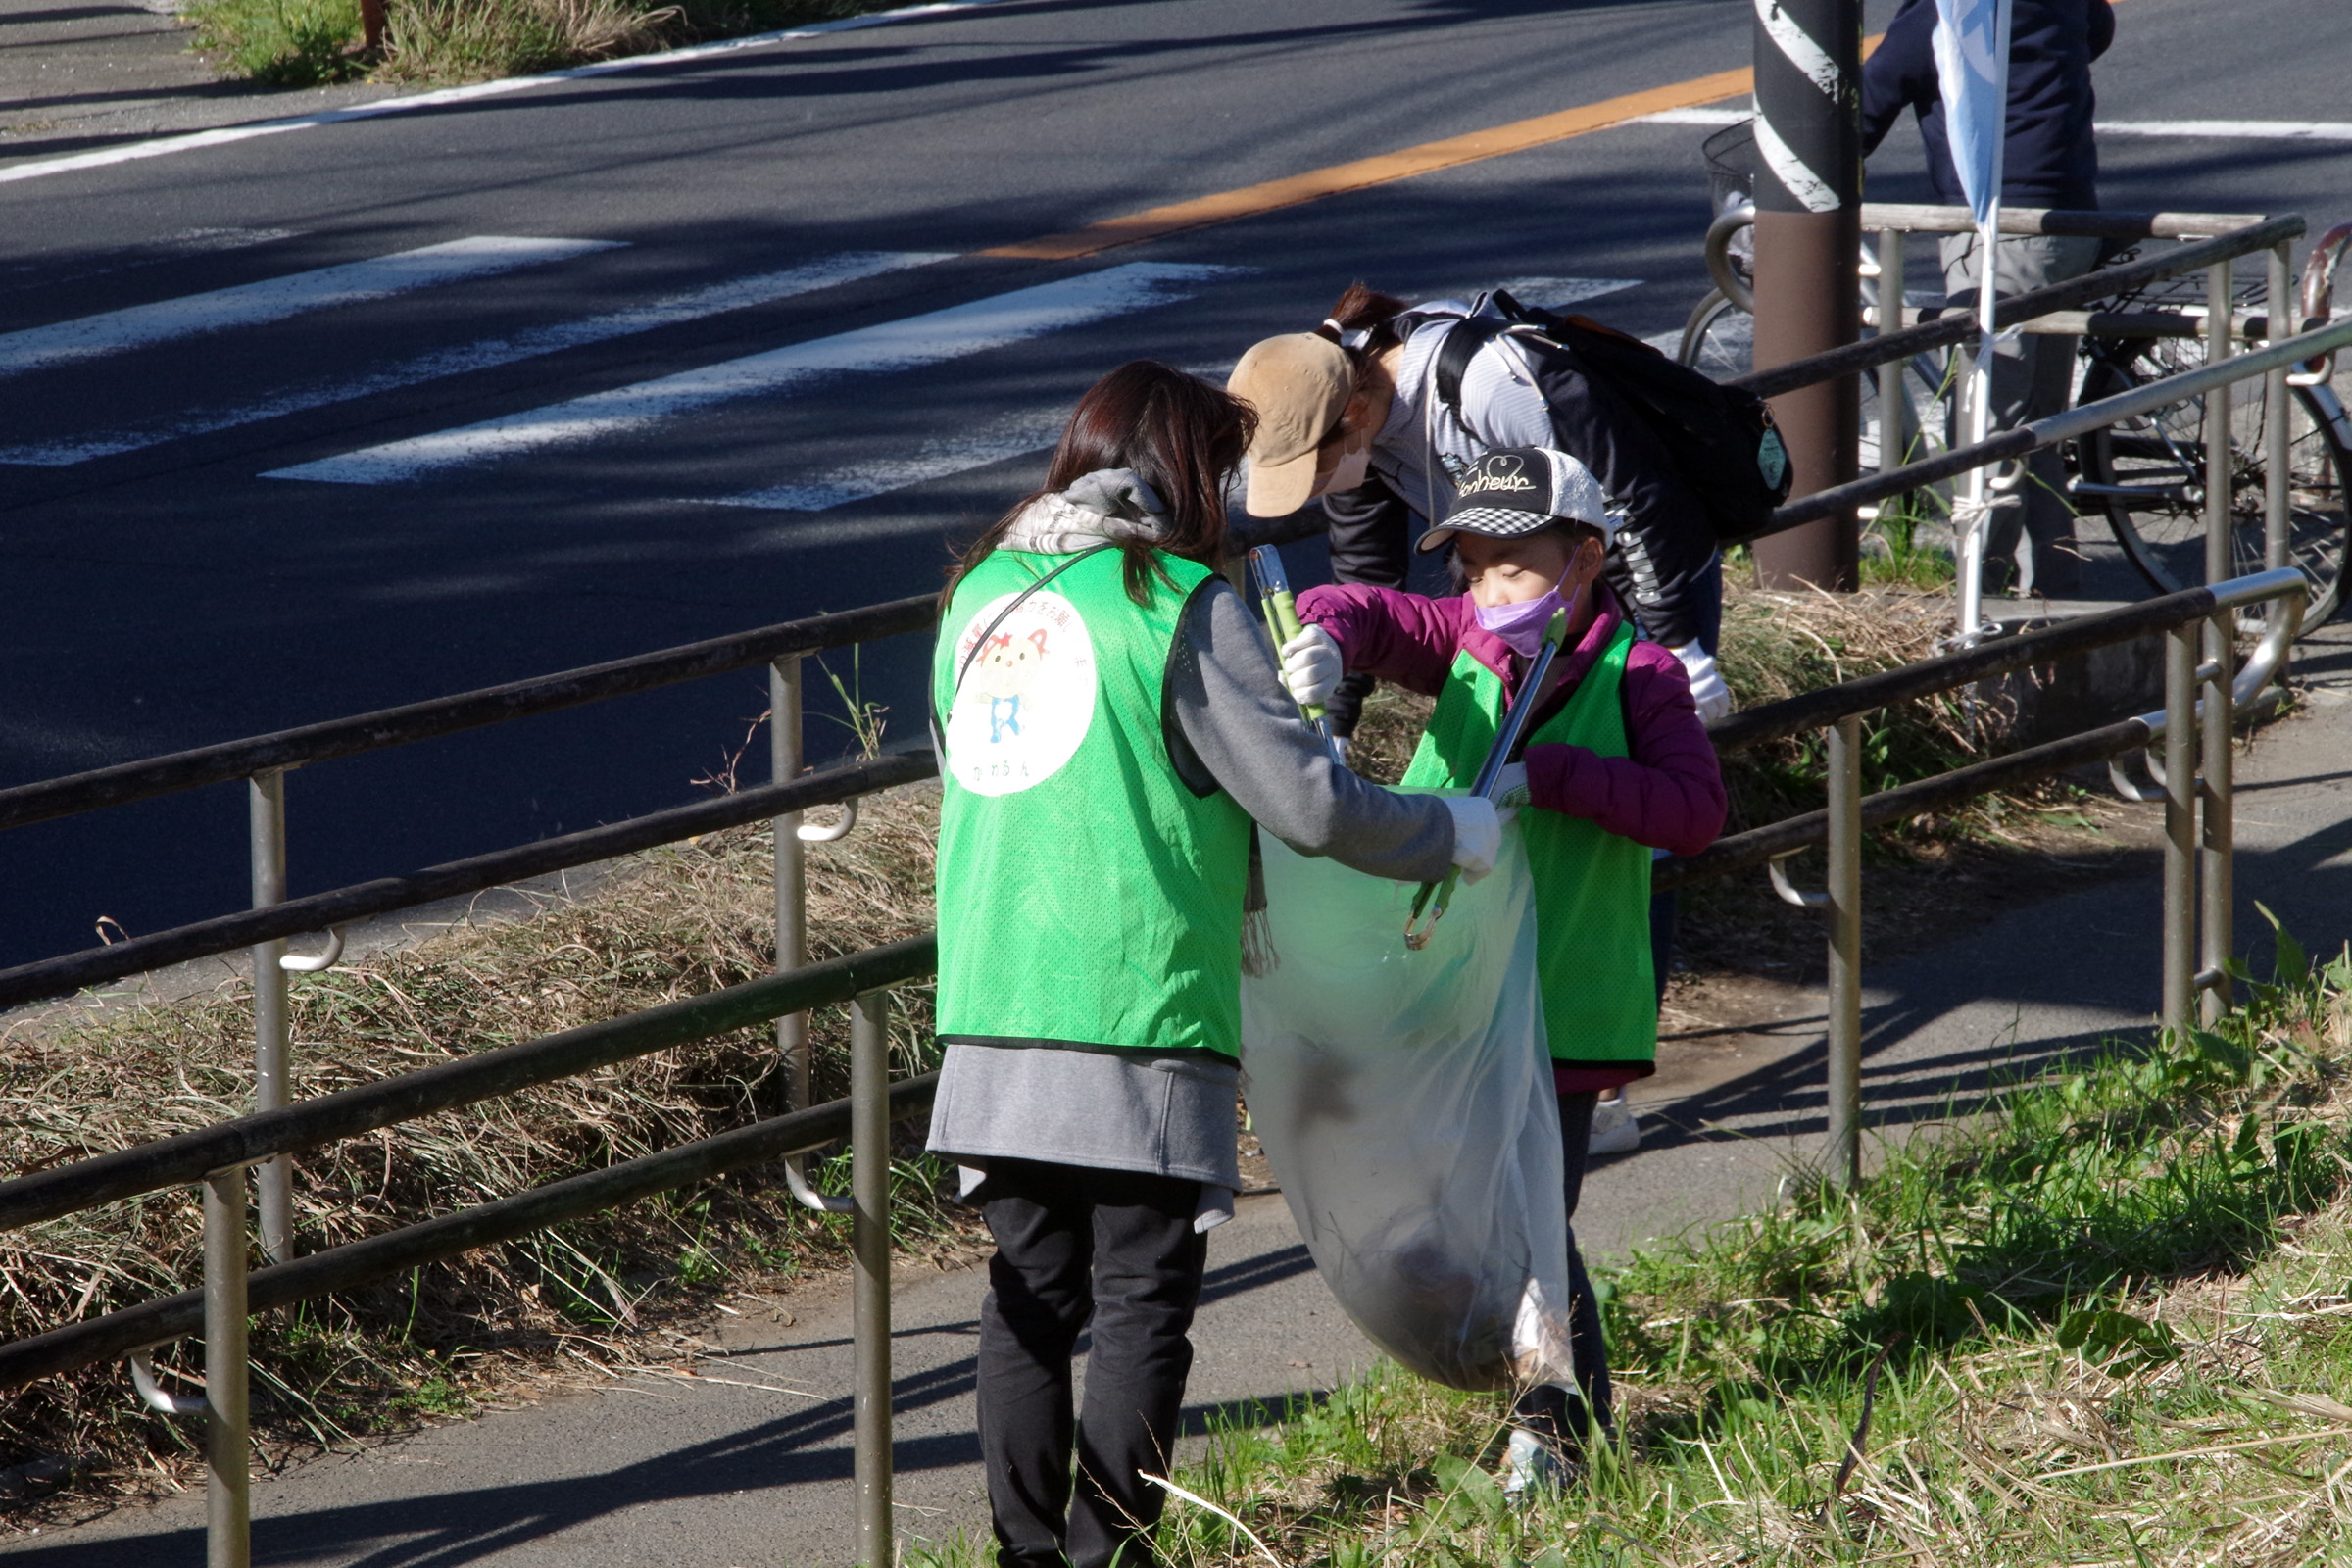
x: 1615, y: 764
x: 1111, y: 731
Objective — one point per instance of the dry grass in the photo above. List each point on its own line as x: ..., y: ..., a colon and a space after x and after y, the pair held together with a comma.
x: 674, y: 922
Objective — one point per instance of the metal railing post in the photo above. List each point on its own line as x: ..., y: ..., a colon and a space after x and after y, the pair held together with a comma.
x: 266, y: 810
x: 1846, y: 952
x: 869, y: 1186
x: 2277, y: 410
x: 1893, y: 403
x: 792, y: 912
x: 792, y: 884
x: 2180, y: 823
x: 2221, y: 658
x: 2218, y: 808
x: 228, y: 1520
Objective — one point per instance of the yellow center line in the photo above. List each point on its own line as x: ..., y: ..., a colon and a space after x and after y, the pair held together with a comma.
x: 1364, y: 172
x: 1518, y: 136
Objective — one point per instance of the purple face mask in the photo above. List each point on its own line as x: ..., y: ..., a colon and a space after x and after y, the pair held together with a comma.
x: 1521, y: 625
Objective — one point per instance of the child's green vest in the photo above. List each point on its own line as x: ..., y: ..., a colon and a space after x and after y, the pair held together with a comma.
x: 1087, y: 899
x: 1591, y: 885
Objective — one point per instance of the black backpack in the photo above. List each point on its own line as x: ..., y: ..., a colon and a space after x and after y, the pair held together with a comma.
x: 1721, y: 438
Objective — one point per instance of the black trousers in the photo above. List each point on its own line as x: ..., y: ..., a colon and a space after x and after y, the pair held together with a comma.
x: 1561, y: 1414
x: 1077, y: 1246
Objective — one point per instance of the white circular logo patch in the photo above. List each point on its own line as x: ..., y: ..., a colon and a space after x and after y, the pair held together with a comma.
x: 1027, y: 698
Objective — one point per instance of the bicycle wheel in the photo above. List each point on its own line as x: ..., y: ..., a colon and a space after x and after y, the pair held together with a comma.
x: 1719, y: 341
x: 2147, y: 475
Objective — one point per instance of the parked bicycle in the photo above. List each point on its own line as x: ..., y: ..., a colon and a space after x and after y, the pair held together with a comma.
x: 2145, y: 478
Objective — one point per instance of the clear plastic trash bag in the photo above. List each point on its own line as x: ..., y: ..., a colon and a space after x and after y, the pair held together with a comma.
x: 1405, y: 1102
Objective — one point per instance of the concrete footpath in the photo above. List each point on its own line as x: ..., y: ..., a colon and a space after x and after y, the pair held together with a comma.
x: 750, y: 1463
x: 77, y: 79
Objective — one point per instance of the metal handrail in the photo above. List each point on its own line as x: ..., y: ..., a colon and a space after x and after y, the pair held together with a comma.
x: 204, y: 938
x: 362, y: 1262
x: 1958, y: 327
x: 1818, y: 709
x: 349, y: 1113
x: 151, y: 776
x: 2066, y: 426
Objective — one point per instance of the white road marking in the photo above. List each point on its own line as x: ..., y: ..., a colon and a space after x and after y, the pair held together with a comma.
x: 2230, y: 130
x: 940, y: 458
x: 2216, y: 129
x: 734, y: 295
x: 274, y: 299
x: 1010, y: 435
x: 901, y: 345
x: 1697, y: 116
x: 164, y: 146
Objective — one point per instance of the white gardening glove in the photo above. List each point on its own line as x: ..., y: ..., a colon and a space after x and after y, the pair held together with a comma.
x: 1510, y: 787
x: 1707, y: 690
x: 1311, y: 665
x: 1476, y: 834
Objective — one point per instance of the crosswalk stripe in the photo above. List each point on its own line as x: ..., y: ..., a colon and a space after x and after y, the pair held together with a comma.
x: 277, y: 298
x: 733, y: 295
x: 901, y: 345
x: 1011, y: 435
x: 938, y: 457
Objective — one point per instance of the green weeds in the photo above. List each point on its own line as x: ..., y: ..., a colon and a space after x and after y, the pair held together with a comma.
x: 2104, y: 1318
x: 307, y: 43
x: 283, y: 43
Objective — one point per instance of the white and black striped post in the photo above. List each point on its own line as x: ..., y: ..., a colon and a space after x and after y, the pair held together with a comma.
x: 1808, y: 235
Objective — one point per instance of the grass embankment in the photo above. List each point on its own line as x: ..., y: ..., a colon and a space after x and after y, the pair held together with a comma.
x: 2105, y: 1322
x: 303, y: 43
x: 674, y: 922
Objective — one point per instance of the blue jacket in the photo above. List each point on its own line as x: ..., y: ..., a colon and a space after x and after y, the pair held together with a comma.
x: 2050, y: 159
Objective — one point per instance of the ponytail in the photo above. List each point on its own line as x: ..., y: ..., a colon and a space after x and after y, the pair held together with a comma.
x: 1363, y: 310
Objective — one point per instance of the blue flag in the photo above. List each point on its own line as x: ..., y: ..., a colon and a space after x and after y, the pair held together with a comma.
x: 1971, y: 69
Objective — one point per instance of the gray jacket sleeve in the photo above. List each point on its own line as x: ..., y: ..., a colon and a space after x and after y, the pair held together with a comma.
x: 1230, y: 710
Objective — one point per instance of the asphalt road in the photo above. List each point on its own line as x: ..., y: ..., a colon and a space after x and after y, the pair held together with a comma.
x: 227, y: 513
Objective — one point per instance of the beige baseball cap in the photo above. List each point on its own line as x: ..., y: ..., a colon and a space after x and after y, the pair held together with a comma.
x: 1300, y: 384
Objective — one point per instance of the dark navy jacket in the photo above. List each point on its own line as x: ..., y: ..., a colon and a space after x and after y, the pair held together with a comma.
x: 2049, y: 160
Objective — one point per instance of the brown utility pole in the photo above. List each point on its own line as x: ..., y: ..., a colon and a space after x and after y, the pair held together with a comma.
x: 1808, y: 235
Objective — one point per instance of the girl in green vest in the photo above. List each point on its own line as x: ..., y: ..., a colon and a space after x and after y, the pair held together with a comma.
x: 1111, y: 731
x: 1615, y: 764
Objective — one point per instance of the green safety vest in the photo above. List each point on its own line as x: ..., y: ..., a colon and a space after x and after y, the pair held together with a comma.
x: 1592, y: 886
x: 1088, y: 898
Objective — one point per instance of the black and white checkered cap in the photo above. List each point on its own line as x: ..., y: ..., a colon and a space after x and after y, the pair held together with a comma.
x: 1518, y: 490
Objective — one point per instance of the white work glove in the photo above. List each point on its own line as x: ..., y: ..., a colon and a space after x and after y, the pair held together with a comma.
x: 1707, y: 690
x: 1476, y: 834
x: 1311, y: 665
x: 1510, y: 787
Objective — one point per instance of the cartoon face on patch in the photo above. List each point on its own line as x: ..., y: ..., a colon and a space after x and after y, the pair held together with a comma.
x: 1027, y: 695
x: 1003, y: 672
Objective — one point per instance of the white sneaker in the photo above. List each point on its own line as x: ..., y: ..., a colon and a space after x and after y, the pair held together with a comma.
x: 1615, y: 1128
x: 1531, y: 1465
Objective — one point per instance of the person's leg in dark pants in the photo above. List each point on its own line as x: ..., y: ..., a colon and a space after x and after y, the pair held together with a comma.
x: 1147, y: 1282
x: 1369, y: 538
x: 1037, y: 1300
x: 1562, y: 1414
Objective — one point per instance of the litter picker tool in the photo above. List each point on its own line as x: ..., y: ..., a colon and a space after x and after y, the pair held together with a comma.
x: 1280, y: 609
x: 1506, y: 741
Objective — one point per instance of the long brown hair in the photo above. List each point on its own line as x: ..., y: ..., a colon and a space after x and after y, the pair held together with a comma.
x: 1181, y: 437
